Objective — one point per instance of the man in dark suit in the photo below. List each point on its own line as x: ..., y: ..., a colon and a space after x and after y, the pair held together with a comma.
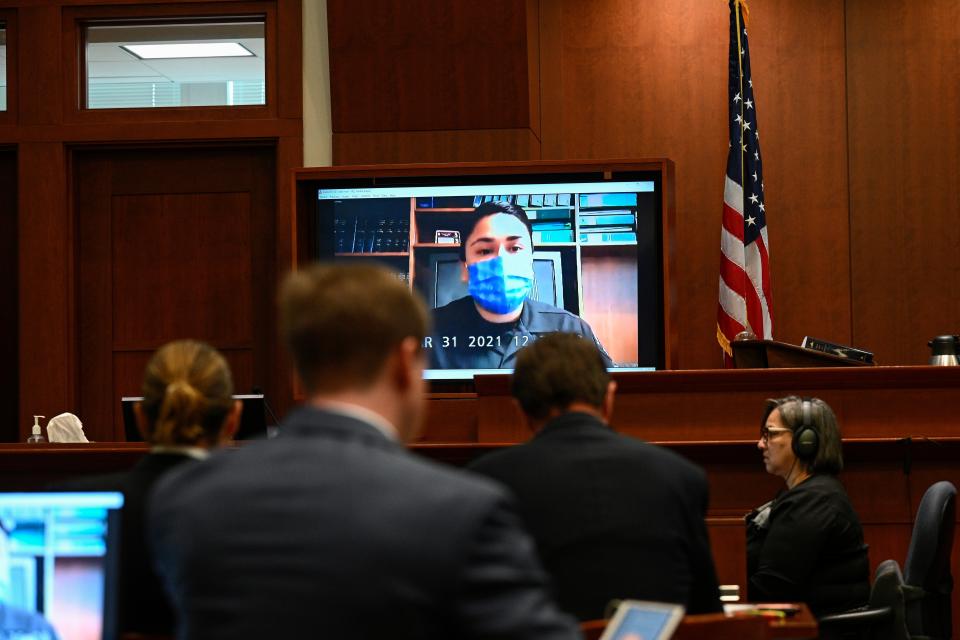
x: 613, y: 517
x: 332, y: 529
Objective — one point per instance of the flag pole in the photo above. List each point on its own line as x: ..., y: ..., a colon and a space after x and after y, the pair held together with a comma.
x: 736, y: 8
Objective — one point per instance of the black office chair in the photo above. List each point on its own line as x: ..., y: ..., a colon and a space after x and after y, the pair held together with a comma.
x: 929, y: 583
x: 882, y: 619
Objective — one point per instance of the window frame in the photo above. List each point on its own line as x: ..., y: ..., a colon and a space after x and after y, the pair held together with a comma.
x: 76, y: 19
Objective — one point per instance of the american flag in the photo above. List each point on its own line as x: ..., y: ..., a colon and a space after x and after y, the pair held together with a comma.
x: 745, y: 296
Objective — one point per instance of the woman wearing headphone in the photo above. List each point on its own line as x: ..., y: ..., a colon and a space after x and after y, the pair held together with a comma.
x: 807, y: 544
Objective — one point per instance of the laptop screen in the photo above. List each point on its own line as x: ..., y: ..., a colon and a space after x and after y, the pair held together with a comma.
x: 58, y: 564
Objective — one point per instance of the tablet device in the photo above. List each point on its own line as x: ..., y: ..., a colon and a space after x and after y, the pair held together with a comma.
x: 640, y: 620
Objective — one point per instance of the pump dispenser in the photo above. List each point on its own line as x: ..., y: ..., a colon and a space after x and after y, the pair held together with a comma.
x: 37, y: 436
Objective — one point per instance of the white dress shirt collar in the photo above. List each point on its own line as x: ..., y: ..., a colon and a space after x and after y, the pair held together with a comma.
x: 362, y: 414
x: 197, y: 453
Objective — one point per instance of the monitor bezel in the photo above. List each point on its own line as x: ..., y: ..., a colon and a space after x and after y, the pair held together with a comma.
x: 660, y: 171
x: 113, y: 501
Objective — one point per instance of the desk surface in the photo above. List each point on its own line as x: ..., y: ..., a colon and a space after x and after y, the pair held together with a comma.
x: 718, y: 626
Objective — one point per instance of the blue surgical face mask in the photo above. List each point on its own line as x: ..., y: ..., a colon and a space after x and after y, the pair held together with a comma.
x: 500, y: 285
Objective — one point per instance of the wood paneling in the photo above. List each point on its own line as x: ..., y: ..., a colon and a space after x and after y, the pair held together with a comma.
x: 434, y: 146
x: 671, y: 406
x: 642, y: 78
x: 608, y: 281
x: 451, y: 417
x: 903, y: 103
x: 199, y: 262
x: 46, y: 314
x: 39, y: 69
x: 9, y: 331
x: 45, y: 122
x: 727, y: 542
x: 412, y: 65
x: 174, y: 243
x: 186, y: 129
x: 626, y: 79
x: 874, y: 85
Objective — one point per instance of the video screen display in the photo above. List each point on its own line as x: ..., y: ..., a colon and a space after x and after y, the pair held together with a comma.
x: 58, y: 565
x: 501, y: 264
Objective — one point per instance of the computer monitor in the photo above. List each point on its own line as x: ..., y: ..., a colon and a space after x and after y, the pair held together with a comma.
x: 253, y: 419
x: 58, y: 565
x: 597, y: 255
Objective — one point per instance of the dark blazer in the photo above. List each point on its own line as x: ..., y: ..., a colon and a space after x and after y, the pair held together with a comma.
x: 333, y: 530
x: 141, y: 600
x: 809, y: 548
x: 614, y: 517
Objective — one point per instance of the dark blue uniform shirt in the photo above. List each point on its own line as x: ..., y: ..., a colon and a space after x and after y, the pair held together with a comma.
x: 462, y: 339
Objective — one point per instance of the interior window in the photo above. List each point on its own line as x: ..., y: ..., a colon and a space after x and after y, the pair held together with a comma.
x: 199, y: 64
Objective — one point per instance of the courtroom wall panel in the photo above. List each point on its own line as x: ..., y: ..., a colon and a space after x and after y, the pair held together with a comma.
x: 625, y: 79
x: 904, y: 109
x: 434, y: 81
x: 45, y: 279
x: 422, y: 65
x: 51, y: 130
x: 9, y: 331
x: 435, y: 146
x: 172, y: 243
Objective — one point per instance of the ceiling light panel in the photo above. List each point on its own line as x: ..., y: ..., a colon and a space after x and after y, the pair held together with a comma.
x: 188, y: 50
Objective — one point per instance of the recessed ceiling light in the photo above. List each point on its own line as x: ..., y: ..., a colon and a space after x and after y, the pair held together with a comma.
x: 188, y: 50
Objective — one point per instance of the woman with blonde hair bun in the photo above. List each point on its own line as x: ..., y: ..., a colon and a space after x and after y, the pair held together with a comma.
x: 187, y: 397
x: 187, y: 409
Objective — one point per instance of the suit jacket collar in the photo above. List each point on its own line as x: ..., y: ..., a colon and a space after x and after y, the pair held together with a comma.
x: 311, y: 422
x: 571, y: 422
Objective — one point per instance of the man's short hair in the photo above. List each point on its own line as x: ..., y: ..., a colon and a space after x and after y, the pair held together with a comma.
x: 556, y: 371
x: 491, y: 209
x: 341, y: 322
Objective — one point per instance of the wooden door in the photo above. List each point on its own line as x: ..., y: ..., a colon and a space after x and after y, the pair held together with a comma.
x: 171, y: 243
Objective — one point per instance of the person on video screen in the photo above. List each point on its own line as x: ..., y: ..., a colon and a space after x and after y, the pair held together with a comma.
x: 486, y: 329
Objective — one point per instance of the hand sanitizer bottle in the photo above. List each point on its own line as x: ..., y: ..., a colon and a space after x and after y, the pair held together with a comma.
x: 37, y: 436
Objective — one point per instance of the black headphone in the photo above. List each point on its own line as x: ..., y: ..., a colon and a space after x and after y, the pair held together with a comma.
x: 806, y: 438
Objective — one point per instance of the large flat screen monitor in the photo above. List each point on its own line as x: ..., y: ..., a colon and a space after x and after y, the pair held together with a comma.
x: 502, y: 259
x: 58, y: 565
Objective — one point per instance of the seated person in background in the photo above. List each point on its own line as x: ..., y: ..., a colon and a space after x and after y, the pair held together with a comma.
x: 187, y: 408
x: 807, y: 544
x: 332, y: 529
x: 613, y: 517
x: 487, y: 328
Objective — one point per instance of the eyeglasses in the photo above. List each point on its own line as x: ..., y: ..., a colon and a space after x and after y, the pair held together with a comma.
x: 770, y: 432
